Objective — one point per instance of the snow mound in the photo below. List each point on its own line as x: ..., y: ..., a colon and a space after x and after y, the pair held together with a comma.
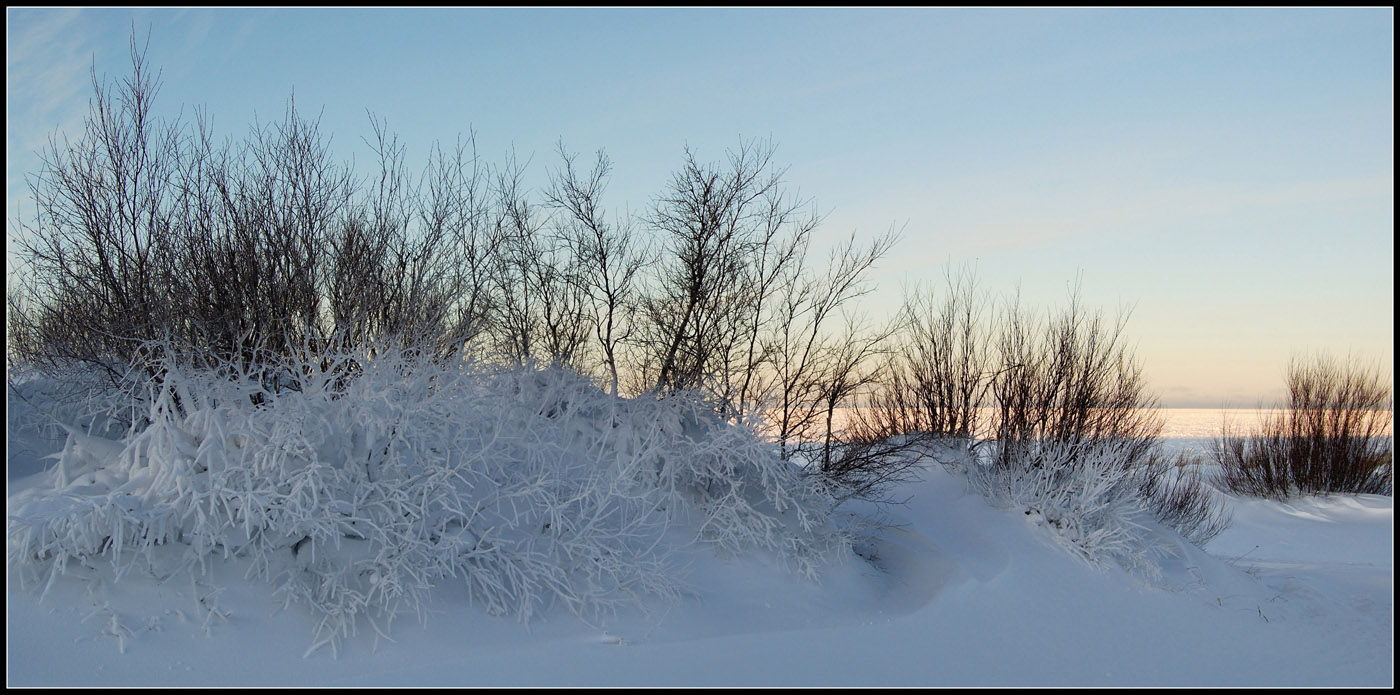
x: 357, y: 484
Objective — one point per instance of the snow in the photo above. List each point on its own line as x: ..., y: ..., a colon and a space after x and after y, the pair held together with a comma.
x: 951, y: 590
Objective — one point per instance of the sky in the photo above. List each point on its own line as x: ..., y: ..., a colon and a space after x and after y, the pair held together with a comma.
x: 1225, y: 173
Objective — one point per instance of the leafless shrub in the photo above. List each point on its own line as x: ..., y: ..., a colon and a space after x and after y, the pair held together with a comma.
x: 869, y: 455
x: 1069, y: 430
x: 1072, y: 380
x: 1181, y: 498
x: 147, y: 230
x: 253, y: 238
x: 939, y: 371
x: 1069, y: 395
x: 539, y: 315
x: 1332, y: 436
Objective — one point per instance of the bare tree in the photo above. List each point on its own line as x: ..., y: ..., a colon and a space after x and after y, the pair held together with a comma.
x: 408, y: 261
x: 373, y: 267
x: 936, y: 375
x: 775, y: 269
x: 608, y: 254
x: 843, y: 377
x: 713, y: 222
x: 814, y: 367
x: 454, y: 209
x: 539, y: 306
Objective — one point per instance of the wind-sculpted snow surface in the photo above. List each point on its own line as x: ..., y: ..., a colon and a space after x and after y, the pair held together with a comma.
x: 356, y: 496
x: 949, y: 586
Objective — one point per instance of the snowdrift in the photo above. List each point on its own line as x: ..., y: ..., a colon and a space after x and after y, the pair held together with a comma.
x: 255, y: 536
x: 356, y: 497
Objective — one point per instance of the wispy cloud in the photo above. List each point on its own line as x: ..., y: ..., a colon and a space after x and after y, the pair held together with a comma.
x: 47, y: 65
x: 47, y: 68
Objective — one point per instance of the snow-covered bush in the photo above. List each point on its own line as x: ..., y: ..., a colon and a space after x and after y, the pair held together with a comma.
x: 47, y: 402
x: 1072, y: 439
x: 356, y: 483
x: 1098, y: 501
x: 1182, y: 498
x: 1078, y: 491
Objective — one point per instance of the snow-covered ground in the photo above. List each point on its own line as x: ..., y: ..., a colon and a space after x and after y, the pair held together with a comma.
x: 955, y: 592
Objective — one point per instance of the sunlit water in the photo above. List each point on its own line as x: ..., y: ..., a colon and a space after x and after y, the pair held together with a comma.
x: 1196, y: 423
x: 1194, y: 429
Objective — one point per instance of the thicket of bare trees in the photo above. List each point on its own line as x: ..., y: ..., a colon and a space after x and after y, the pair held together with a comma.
x: 103, y: 236
x: 963, y: 367
x: 157, y: 232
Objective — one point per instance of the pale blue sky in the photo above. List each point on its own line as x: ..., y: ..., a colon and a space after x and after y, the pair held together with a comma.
x: 1229, y: 173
